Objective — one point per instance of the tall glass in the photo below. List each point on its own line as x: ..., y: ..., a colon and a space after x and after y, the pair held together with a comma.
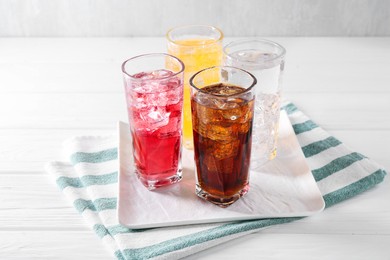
x: 264, y: 59
x: 222, y: 110
x: 154, y: 96
x: 198, y: 47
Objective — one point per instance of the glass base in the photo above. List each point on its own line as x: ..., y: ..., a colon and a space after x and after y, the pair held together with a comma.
x: 222, y: 202
x: 154, y: 184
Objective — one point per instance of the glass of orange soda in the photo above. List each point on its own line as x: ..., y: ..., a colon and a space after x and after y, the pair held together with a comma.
x: 199, y: 47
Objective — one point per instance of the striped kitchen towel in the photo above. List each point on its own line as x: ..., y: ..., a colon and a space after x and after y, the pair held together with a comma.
x: 90, y: 179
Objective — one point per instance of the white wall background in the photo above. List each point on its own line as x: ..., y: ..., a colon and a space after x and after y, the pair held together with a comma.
x: 155, y: 17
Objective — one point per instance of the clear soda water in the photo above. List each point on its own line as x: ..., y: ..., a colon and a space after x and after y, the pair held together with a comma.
x: 265, y: 128
x: 267, y: 70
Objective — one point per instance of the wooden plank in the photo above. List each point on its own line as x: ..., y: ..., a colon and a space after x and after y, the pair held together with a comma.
x: 38, y: 189
x: 33, y: 202
x: 42, y: 244
x: 57, y: 77
x: 83, y: 245
x: 56, y: 50
x: 59, y: 218
x: 300, y: 246
x: 28, y: 150
x: 62, y: 110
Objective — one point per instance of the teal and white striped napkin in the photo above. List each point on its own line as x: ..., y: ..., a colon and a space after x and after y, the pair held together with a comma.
x: 89, y: 181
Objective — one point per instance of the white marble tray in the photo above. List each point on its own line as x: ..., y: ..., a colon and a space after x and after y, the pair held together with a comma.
x: 283, y: 187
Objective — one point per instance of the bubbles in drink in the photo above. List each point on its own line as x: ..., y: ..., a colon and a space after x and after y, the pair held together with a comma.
x: 153, y: 117
x: 265, y: 126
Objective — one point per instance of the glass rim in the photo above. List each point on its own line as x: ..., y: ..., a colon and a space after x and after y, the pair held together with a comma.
x: 170, y: 40
x: 238, y: 42
x: 148, y: 55
x: 222, y: 96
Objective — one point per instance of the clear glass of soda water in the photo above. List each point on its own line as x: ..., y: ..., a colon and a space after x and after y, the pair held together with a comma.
x: 265, y: 60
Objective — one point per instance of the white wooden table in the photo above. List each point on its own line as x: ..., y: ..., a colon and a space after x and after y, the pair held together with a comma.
x: 55, y: 88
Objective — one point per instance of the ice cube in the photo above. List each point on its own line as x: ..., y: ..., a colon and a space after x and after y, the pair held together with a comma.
x: 136, y: 120
x: 174, y: 96
x: 154, y: 87
x: 143, y: 75
x: 224, y: 150
x: 254, y: 56
x: 134, y: 86
x: 239, y: 112
x: 140, y: 103
x: 233, y: 109
x: 232, y: 114
x: 174, y: 82
x: 141, y: 87
x: 244, y: 128
x: 208, y: 115
x: 157, y: 114
x: 203, y: 99
x: 227, y: 90
x: 155, y: 117
x: 160, y: 99
x: 173, y: 127
x: 219, y: 103
x: 218, y: 132
x: 268, y: 102
x: 158, y: 74
x: 200, y: 127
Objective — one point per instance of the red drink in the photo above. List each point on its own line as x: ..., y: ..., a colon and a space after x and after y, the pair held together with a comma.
x: 154, y: 107
x: 157, y: 153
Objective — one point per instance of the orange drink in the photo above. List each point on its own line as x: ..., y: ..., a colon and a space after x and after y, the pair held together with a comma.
x: 199, y: 47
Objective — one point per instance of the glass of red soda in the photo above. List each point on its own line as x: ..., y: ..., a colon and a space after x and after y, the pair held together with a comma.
x: 154, y: 96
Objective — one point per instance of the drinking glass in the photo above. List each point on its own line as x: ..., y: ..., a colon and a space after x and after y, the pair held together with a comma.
x: 154, y: 96
x: 222, y: 110
x: 199, y: 47
x: 265, y: 60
